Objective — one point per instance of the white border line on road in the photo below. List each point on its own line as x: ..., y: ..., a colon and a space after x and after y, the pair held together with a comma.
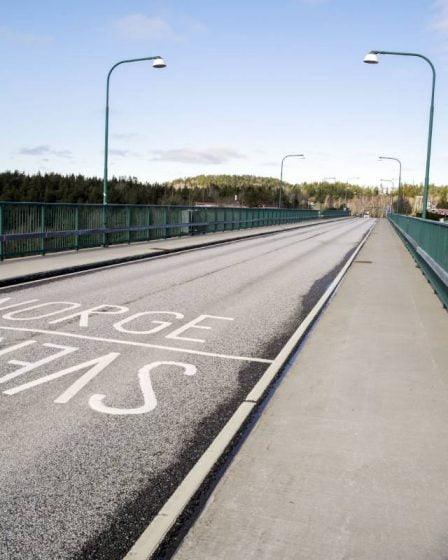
x: 141, y: 344
x: 169, y: 253
x: 159, y: 527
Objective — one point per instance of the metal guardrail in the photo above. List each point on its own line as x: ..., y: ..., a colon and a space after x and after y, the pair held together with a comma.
x: 28, y: 228
x: 428, y: 242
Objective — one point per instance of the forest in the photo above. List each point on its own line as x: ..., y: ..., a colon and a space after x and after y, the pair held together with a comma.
x: 234, y: 190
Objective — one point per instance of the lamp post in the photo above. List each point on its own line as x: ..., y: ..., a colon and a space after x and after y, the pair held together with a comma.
x: 387, y: 181
x: 372, y: 58
x: 158, y: 62
x: 381, y: 158
x: 301, y: 156
x: 391, y: 190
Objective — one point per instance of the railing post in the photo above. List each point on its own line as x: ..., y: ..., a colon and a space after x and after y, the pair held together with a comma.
x: 77, y: 228
x: 42, y: 228
x: 128, y: 221
x: 148, y: 231
x: 2, y: 247
x: 104, y: 211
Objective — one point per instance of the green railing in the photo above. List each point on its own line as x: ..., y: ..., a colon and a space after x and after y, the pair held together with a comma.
x: 335, y: 213
x: 28, y: 228
x: 428, y: 242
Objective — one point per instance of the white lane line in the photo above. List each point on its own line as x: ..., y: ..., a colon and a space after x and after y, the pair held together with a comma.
x: 141, y: 344
x: 212, y: 244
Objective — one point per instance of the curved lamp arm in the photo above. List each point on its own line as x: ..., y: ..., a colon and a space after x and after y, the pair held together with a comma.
x: 372, y: 58
x: 159, y: 64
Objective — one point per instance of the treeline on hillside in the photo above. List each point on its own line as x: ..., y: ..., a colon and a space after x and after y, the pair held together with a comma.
x: 244, y: 190
x: 53, y: 187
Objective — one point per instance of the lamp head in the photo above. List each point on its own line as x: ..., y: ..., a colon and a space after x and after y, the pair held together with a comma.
x: 371, y: 58
x: 158, y: 62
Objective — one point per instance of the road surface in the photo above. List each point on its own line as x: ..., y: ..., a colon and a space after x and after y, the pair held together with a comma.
x: 114, y: 382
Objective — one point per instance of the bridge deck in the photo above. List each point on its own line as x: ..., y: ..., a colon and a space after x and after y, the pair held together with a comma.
x: 27, y: 268
x: 350, y: 457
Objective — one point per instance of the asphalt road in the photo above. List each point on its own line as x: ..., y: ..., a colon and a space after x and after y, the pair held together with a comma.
x: 114, y: 382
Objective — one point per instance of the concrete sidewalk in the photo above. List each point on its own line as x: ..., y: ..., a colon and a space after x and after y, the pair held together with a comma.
x: 13, y: 271
x: 349, y: 460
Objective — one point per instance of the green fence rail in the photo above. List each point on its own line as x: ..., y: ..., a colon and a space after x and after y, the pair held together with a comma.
x: 28, y: 228
x: 428, y: 242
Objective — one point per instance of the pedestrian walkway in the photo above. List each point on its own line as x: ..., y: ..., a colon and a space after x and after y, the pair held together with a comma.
x: 29, y: 268
x: 349, y: 460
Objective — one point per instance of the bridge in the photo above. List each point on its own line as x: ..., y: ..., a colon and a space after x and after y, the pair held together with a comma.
x: 222, y: 383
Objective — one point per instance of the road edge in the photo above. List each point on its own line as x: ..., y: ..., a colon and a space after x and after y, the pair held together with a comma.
x: 90, y: 267
x: 155, y: 533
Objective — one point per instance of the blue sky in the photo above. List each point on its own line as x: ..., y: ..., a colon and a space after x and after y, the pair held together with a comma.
x: 246, y: 83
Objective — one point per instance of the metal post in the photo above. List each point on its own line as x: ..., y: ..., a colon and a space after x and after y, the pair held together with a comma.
x: 42, y: 229
x: 106, y: 127
x: 2, y: 245
x: 431, y: 118
x: 281, y: 176
x: 399, y: 180
x: 77, y: 228
x: 128, y: 220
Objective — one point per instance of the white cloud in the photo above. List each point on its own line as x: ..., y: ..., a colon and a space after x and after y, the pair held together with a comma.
x: 122, y: 153
x: 138, y: 27
x: 13, y: 36
x: 208, y: 156
x: 440, y: 20
x: 45, y: 151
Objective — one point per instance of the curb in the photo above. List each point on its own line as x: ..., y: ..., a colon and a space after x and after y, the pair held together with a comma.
x: 156, y: 253
x: 156, y: 532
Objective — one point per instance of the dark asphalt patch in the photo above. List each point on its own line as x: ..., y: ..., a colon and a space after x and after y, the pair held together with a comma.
x: 133, y: 517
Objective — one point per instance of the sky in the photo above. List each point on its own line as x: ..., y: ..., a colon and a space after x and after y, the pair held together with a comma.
x: 246, y: 82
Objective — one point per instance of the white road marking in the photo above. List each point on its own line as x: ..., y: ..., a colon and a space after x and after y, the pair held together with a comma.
x: 84, y: 315
x: 149, y: 397
x: 161, y: 324
x: 194, y: 325
x: 29, y: 366
x: 212, y: 245
x: 15, y: 304
x: 11, y: 316
x: 98, y: 365
x: 16, y: 346
x: 141, y: 344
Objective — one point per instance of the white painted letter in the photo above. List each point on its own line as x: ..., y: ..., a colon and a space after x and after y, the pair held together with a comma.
x: 194, y: 325
x: 162, y: 324
x: 29, y: 366
x: 16, y: 346
x: 149, y: 397
x: 84, y: 315
x: 96, y: 366
x: 12, y: 315
x: 15, y: 304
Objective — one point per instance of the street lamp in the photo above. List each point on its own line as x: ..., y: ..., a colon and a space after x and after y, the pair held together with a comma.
x: 381, y: 158
x: 391, y: 191
x: 301, y: 156
x: 387, y: 181
x: 372, y: 58
x: 158, y: 62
